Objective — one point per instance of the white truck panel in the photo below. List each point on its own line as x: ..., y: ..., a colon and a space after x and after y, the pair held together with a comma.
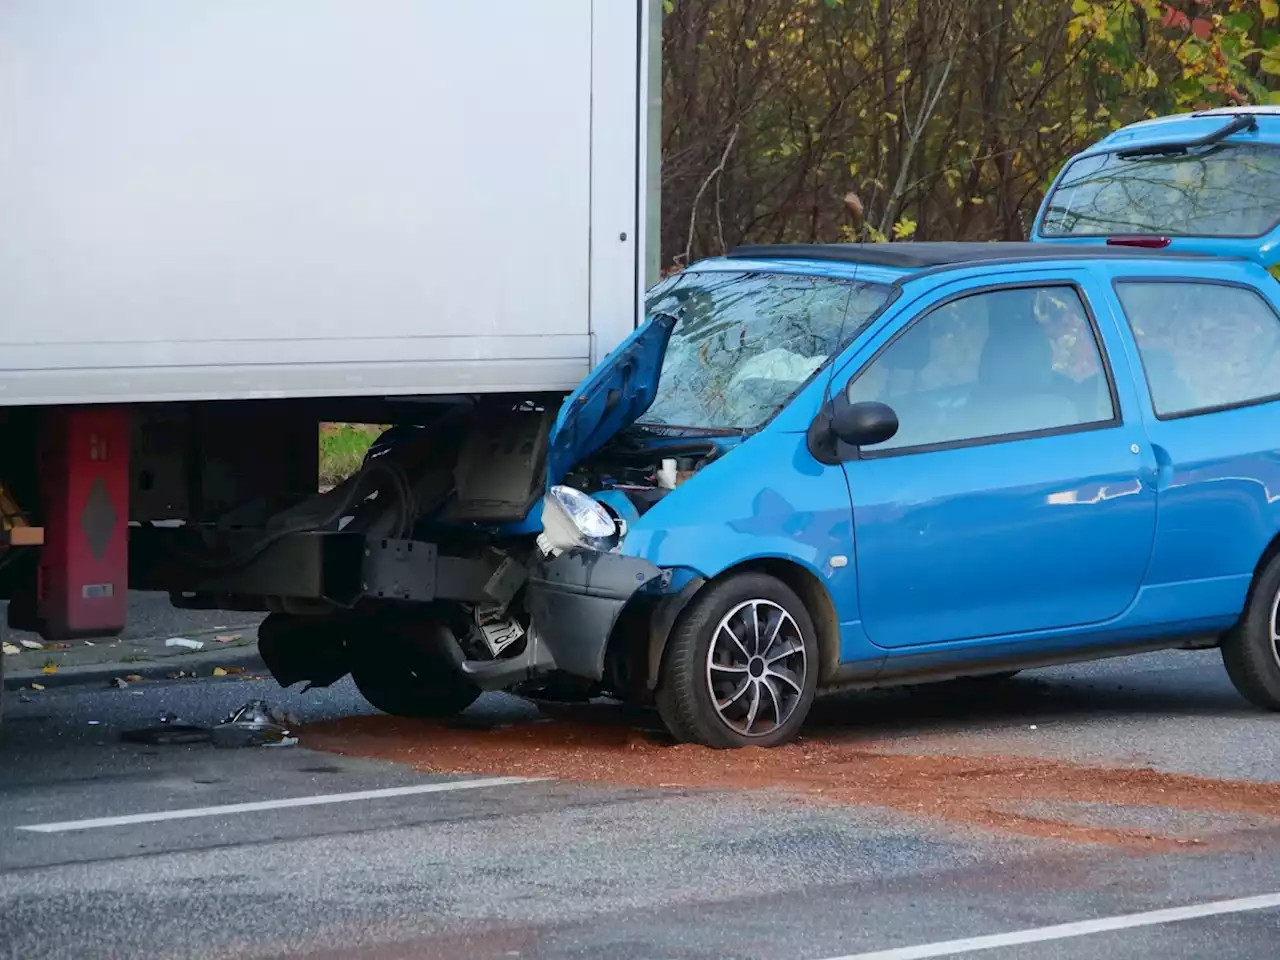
x: 268, y: 198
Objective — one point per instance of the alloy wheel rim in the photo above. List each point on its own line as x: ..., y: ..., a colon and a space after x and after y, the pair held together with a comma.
x: 1274, y: 623
x: 756, y: 668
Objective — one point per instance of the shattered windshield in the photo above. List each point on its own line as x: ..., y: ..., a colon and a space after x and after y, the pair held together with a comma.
x: 1230, y: 190
x: 746, y: 343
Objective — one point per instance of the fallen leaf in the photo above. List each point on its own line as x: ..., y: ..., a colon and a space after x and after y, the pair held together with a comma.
x: 37, y: 686
x: 57, y: 646
x: 219, y: 672
x: 228, y: 638
x: 236, y: 670
x: 134, y: 678
x: 50, y: 668
x: 32, y: 644
x: 12, y: 650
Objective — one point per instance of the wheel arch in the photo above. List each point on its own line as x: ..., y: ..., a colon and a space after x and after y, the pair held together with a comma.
x: 806, y: 584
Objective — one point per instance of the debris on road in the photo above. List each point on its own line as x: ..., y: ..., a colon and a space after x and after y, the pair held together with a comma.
x: 37, y: 687
x: 182, y: 675
x: 12, y: 649
x: 50, y: 668
x: 184, y: 642
x: 256, y: 724
x: 32, y: 644
x: 998, y: 793
x: 228, y: 638
x: 120, y: 683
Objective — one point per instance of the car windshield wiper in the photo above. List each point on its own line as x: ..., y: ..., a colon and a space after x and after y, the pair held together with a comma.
x: 1237, y: 124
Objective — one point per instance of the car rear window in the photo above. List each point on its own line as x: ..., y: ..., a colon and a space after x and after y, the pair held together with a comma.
x: 1229, y: 190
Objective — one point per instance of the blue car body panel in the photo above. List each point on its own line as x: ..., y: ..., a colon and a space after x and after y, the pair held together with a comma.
x: 1099, y: 539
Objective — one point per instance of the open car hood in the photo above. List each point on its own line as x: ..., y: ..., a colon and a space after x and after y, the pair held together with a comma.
x: 612, y: 397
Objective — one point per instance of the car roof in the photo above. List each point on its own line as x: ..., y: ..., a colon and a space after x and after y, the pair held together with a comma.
x: 912, y: 257
x: 1188, y: 126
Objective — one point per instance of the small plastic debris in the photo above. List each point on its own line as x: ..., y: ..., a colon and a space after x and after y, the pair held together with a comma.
x: 89, y: 643
x: 120, y: 683
x: 184, y: 642
x: 219, y: 671
x: 37, y: 687
x: 12, y: 649
x: 95, y: 723
x: 255, y: 724
x: 50, y: 668
x: 1034, y: 727
x: 228, y: 638
x: 32, y: 644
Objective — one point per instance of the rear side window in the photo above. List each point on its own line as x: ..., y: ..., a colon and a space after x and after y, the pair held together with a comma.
x: 1204, y: 346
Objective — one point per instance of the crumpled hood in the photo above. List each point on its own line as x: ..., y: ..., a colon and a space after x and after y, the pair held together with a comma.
x: 612, y: 397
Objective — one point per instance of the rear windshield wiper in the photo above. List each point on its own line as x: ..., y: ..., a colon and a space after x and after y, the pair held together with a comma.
x: 1237, y: 124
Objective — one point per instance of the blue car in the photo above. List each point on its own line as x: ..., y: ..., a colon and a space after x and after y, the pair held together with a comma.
x: 818, y: 468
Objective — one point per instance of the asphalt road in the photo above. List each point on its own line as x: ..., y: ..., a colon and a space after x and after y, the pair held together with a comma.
x: 557, y: 868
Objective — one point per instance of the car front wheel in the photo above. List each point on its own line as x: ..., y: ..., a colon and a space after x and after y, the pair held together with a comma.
x: 741, y: 667
x: 1251, y: 651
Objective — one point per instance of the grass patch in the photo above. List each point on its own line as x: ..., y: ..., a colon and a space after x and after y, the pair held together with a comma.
x: 342, y: 449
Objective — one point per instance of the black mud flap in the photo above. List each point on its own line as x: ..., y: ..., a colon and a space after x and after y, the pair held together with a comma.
x: 311, y: 649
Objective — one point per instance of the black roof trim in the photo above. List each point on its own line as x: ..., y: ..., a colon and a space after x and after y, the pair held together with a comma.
x: 920, y: 255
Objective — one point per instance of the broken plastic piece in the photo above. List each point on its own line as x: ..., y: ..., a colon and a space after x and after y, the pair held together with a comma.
x: 184, y: 642
x: 254, y: 725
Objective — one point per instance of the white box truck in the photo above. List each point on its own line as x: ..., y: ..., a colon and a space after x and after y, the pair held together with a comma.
x: 225, y: 223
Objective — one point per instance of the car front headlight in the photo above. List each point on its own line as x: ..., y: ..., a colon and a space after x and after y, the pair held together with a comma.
x: 572, y: 520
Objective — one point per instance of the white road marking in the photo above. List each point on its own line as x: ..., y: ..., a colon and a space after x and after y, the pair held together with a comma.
x: 1063, y: 931
x: 253, y: 807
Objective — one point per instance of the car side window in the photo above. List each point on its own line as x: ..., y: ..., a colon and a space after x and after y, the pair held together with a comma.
x: 1204, y: 346
x: 990, y: 365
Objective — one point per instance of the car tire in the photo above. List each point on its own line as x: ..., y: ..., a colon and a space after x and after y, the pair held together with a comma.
x: 711, y: 676
x: 402, y: 675
x: 1251, y: 650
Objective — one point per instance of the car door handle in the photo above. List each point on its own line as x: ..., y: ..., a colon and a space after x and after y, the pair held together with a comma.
x: 1164, y: 466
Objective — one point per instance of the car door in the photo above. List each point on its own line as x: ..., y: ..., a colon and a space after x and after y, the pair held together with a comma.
x: 1206, y: 341
x: 1011, y: 499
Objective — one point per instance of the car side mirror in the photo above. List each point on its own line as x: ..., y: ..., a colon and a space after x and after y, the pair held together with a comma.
x: 862, y: 424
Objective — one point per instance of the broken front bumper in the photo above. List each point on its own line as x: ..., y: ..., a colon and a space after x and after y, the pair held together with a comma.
x: 575, y: 599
